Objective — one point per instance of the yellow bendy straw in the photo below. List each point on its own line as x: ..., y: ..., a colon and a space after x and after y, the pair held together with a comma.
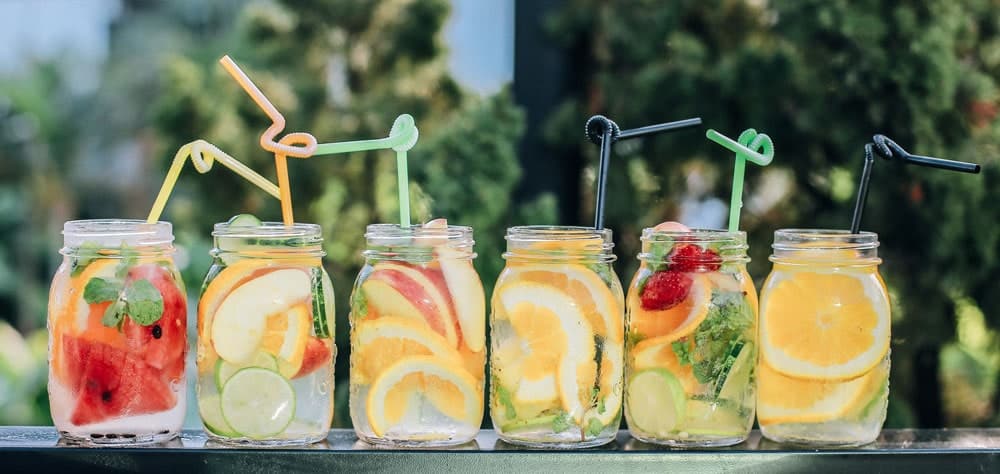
x: 203, y: 155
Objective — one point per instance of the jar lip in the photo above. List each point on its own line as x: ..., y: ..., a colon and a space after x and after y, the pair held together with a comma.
x: 116, y: 232
x: 823, y: 239
x: 556, y: 232
x: 417, y: 232
x: 271, y: 230
x: 694, y: 235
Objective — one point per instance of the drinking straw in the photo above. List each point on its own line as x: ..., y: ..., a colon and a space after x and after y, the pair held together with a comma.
x: 887, y: 149
x: 604, y: 132
x: 203, y: 156
x: 746, y: 149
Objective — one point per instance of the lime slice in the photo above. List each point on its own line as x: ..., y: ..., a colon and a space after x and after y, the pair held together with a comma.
x: 225, y: 370
x: 258, y: 403
x: 529, y: 424
x: 244, y: 220
x: 211, y: 416
x: 655, y: 401
x: 322, y: 304
x: 715, y: 419
x: 734, y: 387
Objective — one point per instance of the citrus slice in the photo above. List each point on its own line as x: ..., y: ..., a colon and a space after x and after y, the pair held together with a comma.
x: 447, y: 386
x: 381, y: 342
x: 703, y: 417
x: 257, y: 403
x: 558, y: 340
x: 677, y: 321
x: 737, y: 380
x: 655, y: 401
x: 75, y: 315
x: 783, y: 399
x: 609, y: 393
x: 225, y: 370
x: 210, y: 409
x: 400, y: 290
x: 824, y: 325
x: 589, y: 292
x: 285, y: 337
x: 658, y: 353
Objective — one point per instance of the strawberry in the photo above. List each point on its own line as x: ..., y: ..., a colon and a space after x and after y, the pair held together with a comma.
x: 664, y: 290
x: 693, y: 258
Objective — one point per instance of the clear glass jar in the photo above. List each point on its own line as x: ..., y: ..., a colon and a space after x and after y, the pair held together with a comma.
x: 823, y: 375
x: 265, y: 336
x: 557, y: 339
x: 692, y: 340
x: 117, y: 327
x: 418, y: 332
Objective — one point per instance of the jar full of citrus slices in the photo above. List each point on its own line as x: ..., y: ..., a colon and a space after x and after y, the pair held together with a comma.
x: 418, y: 336
x: 557, y: 339
x: 823, y: 376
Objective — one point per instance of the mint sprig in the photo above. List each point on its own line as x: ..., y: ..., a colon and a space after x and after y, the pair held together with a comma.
x: 137, y: 299
x: 562, y: 422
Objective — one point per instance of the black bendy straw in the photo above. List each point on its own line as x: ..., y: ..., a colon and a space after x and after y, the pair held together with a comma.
x: 605, y: 132
x: 889, y: 150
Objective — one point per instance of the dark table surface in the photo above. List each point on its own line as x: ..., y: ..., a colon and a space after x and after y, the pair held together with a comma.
x: 38, y: 449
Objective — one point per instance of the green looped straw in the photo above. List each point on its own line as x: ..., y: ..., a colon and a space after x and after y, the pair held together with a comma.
x: 746, y: 149
x: 402, y: 136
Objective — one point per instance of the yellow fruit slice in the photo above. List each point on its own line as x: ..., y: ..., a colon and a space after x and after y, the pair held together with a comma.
x: 659, y: 353
x: 76, y: 316
x: 589, y: 292
x: 783, y: 399
x: 379, y: 343
x: 676, y: 322
x: 824, y: 325
x: 447, y: 386
x: 557, y: 340
x: 285, y: 337
x: 609, y: 394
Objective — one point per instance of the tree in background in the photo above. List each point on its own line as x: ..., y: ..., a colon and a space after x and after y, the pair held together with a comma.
x: 820, y: 77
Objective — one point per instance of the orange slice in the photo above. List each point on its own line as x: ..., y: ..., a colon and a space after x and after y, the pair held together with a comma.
x: 285, y: 337
x: 783, y: 399
x: 448, y: 387
x: 824, y: 325
x: 676, y: 322
x: 658, y: 353
x: 379, y: 343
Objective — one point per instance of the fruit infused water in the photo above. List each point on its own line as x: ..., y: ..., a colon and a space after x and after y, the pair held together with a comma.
x: 824, y: 329
x: 117, y: 322
x: 418, y: 337
x: 265, y: 335
x: 692, y: 339
x: 557, y: 335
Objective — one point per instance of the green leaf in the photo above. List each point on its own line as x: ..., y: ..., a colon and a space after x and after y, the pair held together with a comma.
x: 145, y: 303
x: 603, y: 270
x: 359, y: 303
x: 84, y: 255
x: 682, y: 350
x: 128, y: 257
x: 594, y: 427
x: 99, y: 290
x: 601, y: 407
x: 114, y: 315
x: 562, y: 422
x: 504, y: 398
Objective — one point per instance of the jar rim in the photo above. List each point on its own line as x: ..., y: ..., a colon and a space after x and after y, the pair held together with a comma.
x: 556, y: 232
x: 117, y: 232
x: 272, y: 230
x: 695, y: 235
x: 823, y: 239
x: 385, y: 231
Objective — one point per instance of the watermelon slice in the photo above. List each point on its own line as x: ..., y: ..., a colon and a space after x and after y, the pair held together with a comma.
x: 318, y: 354
x: 163, y: 344
x: 111, y: 383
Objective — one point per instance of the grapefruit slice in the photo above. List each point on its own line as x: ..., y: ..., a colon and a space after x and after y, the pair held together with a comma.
x: 676, y: 322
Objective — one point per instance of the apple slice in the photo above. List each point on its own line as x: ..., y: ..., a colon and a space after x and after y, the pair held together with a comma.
x: 394, y: 289
x: 240, y: 322
x: 466, y: 294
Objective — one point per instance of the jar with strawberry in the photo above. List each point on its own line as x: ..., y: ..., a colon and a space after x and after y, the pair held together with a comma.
x: 117, y: 323
x: 691, y: 339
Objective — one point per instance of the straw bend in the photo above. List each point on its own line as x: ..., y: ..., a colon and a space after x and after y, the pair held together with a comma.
x: 747, y: 145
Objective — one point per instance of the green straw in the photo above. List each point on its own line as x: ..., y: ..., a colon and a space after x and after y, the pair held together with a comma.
x: 746, y: 150
x: 402, y: 136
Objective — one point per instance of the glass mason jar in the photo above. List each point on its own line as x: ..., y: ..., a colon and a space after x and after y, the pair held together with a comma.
x: 418, y: 332
x: 265, y: 336
x: 117, y: 327
x: 823, y: 375
x: 557, y: 339
x: 692, y: 340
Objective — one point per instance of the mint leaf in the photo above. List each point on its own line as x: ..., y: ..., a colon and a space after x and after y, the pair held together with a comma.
x: 99, y: 290
x: 359, y: 303
x: 561, y: 423
x: 114, y: 315
x: 657, y: 255
x: 601, y: 407
x: 603, y: 270
x: 723, y: 332
x: 594, y: 427
x: 84, y: 255
x: 682, y: 350
x: 145, y: 303
x: 128, y: 257
x: 504, y: 398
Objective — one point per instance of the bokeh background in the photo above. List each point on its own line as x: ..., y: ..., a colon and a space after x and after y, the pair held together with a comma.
x: 95, y: 96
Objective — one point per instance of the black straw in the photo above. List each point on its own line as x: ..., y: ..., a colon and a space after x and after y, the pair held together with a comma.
x: 605, y: 132
x: 887, y: 149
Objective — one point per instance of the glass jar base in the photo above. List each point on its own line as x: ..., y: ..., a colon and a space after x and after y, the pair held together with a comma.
x: 821, y: 435
x: 266, y: 443
x: 117, y: 439
x: 707, y: 442
x: 577, y: 444
x: 383, y: 442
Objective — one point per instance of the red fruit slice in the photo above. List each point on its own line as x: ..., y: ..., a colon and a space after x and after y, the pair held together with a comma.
x: 111, y: 383
x: 163, y: 344
x: 664, y: 290
x: 318, y: 354
x: 693, y: 258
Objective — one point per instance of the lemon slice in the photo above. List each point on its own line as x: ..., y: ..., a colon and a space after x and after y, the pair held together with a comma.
x: 658, y: 353
x: 655, y: 402
x: 381, y: 342
x: 258, y: 403
x: 783, y: 399
x: 824, y: 325
x: 447, y: 386
x: 285, y: 337
x: 558, y: 340
x: 675, y: 322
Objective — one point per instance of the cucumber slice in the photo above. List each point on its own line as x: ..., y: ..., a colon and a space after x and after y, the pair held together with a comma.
x: 529, y: 424
x: 713, y: 419
x: 211, y: 416
x: 322, y: 304
x: 244, y: 220
x: 258, y: 403
x: 655, y: 401
x: 734, y: 387
x: 225, y: 370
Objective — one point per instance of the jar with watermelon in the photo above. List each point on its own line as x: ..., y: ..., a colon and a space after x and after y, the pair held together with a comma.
x: 265, y: 335
x: 418, y: 332
x: 557, y: 338
x: 117, y: 322
x: 692, y: 339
